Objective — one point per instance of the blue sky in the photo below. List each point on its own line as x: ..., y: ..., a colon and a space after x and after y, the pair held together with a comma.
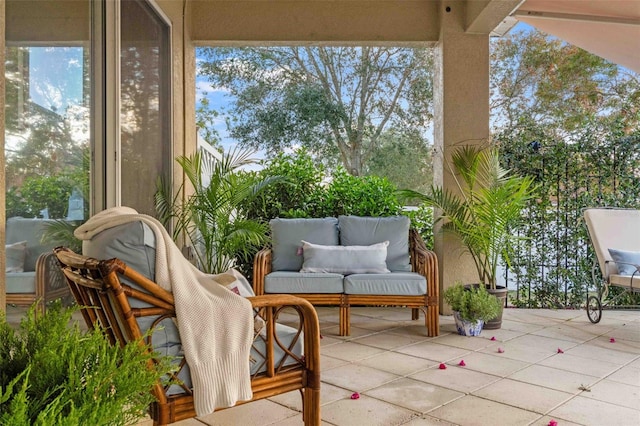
x: 55, y: 77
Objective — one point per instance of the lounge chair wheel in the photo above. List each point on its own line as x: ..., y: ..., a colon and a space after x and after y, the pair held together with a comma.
x: 594, y: 309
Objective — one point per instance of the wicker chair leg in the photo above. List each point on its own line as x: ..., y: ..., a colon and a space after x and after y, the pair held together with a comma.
x: 311, y: 407
x: 415, y: 314
x: 432, y: 320
x: 345, y: 319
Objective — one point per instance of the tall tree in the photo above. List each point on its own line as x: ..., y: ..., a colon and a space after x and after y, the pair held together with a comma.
x: 404, y: 159
x: 334, y: 101
x: 540, y: 79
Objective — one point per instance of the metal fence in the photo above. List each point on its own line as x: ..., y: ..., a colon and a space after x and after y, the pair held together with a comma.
x: 552, y: 265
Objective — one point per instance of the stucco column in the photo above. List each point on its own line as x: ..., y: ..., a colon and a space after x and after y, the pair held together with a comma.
x: 461, y: 110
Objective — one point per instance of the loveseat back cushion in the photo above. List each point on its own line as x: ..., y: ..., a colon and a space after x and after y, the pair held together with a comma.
x: 31, y: 231
x: 394, y: 283
x: 303, y: 282
x: 364, y: 231
x: 287, y: 236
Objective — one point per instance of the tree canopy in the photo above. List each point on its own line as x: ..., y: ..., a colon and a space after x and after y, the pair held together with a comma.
x: 536, y: 78
x: 336, y: 102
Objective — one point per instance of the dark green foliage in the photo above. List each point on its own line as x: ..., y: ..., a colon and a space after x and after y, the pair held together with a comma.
x: 472, y: 302
x: 597, y: 166
x: 295, y: 195
x: 51, y: 373
x: 301, y: 192
x: 38, y: 193
x: 404, y: 158
x: 359, y: 196
x: 422, y: 221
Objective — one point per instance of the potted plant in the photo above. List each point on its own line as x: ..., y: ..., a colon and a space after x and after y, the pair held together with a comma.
x: 488, y: 201
x: 472, y: 307
x: 211, y: 216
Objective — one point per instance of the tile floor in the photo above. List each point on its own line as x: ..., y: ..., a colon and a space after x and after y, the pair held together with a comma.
x: 395, y: 368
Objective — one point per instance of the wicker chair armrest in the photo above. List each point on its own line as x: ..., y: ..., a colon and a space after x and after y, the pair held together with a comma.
x: 261, y: 267
x: 270, y: 307
x: 425, y: 263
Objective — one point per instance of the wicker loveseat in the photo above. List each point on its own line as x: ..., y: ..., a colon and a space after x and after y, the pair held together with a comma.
x: 335, y: 262
x: 32, y: 274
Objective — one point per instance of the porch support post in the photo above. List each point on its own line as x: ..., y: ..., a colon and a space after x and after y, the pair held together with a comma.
x: 461, y: 110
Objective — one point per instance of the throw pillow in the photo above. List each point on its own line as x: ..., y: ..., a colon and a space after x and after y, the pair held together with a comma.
x: 625, y: 261
x: 345, y: 259
x: 15, y: 253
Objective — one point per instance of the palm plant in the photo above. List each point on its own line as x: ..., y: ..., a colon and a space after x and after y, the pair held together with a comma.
x: 489, y: 200
x: 210, y: 218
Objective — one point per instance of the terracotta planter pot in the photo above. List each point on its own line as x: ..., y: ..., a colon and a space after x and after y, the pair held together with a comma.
x: 501, y: 293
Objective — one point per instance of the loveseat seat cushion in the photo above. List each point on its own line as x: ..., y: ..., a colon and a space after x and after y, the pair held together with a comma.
x: 287, y: 236
x: 303, y: 282
x: 394, y: 283
x: 21, y: 282
x: 365, y: 231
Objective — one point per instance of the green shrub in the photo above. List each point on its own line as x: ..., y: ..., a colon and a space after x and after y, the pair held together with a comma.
x: 472, y: 302
x: 359, y: 196
x: 422, y: 221
x: 295, y: 195
x: 52, y: 373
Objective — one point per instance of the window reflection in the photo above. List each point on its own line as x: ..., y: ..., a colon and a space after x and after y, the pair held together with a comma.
x: 144, y: 110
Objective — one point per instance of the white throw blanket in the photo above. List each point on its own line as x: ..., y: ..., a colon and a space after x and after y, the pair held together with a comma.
x: 215, y: 325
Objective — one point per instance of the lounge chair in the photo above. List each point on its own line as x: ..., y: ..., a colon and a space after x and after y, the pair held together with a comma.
x: 615, y: 235
x: 124, y: 303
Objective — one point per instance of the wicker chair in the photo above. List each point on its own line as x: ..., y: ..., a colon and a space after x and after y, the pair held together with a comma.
x: 100, y: 288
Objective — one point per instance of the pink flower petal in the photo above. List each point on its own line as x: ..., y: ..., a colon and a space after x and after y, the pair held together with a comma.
x: 355, y: 395
x: 493, y: 338
x: 553, y: 423
x: 560, y: 351
x: 442, y: 366
x: 500, y: 350
x: 462, y: 364
x: 612, y: 340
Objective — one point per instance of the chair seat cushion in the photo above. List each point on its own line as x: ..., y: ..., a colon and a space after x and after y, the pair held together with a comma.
x: 394, y: 283
x: 285, y: 335
x: 303, y: 282
x: 21, y: 282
